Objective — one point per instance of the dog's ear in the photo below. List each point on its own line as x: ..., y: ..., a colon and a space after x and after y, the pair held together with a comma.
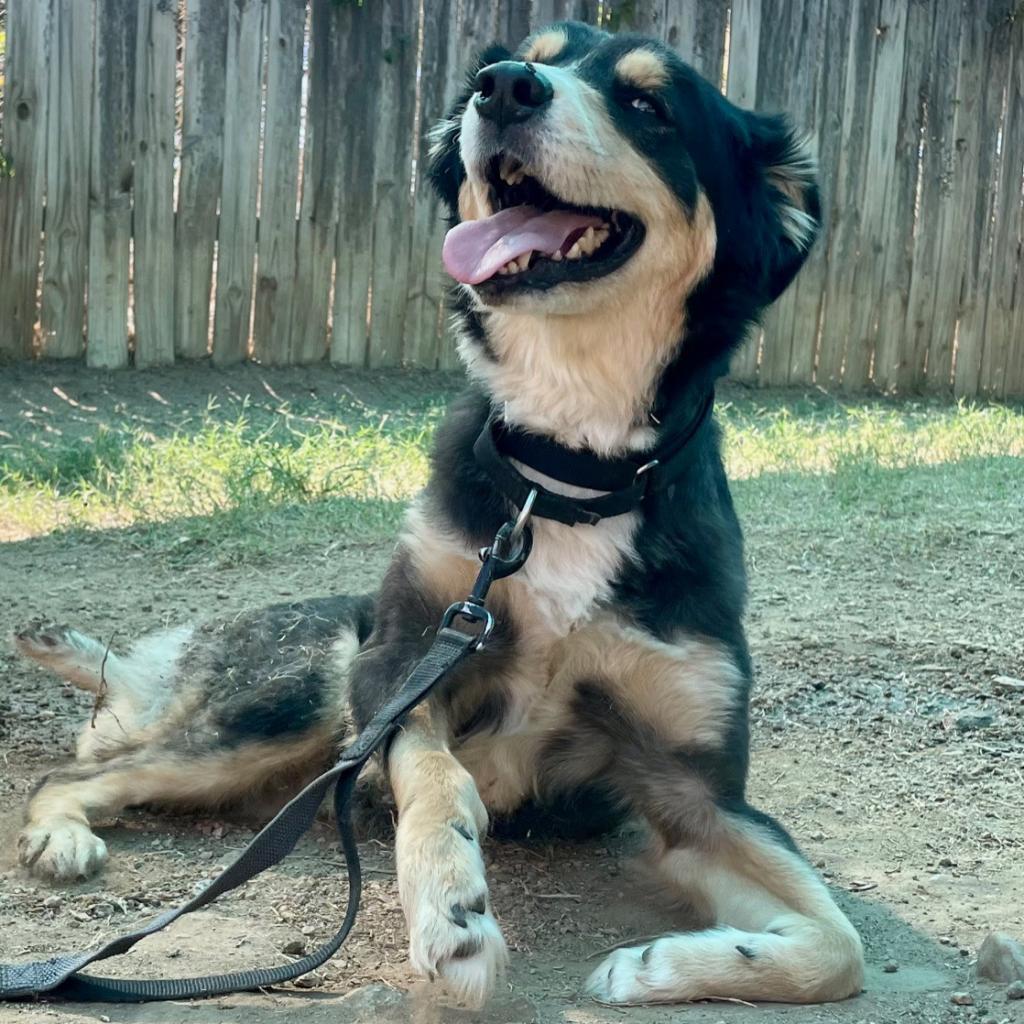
x: 787, y: 206
x: 445, y: 165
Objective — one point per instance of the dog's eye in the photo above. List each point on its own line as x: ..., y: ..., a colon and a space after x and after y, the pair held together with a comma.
x: 643, y: 104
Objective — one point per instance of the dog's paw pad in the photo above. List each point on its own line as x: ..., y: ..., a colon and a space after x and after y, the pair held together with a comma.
x: 62, y: 851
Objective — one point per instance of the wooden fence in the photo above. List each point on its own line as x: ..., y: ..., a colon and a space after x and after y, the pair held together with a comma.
x: 243, y: 178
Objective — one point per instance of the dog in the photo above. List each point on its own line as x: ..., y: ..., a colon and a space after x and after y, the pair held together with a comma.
x: 617, y: 228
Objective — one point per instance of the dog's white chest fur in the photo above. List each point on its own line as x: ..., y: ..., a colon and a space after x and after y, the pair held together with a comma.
x: 572, y: 569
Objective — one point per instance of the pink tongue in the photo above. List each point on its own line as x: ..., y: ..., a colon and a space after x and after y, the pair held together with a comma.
x: 476, y: 249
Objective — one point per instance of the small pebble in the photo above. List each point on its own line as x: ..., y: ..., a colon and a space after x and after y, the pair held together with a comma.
x: 1015, y: 991
x: 1007, y: 684
x: 1001, y: 958
x: 962, y: 999
x: 52, y: 902
x: 947, y: 862
x: 294, y: 947
x: 891, y: 967
x: 971, y: 720
x: 311, y: 980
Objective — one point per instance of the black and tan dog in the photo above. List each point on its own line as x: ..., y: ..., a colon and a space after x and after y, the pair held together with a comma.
x: 618, y: 227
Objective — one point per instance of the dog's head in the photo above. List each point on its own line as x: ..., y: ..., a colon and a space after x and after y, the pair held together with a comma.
x: 587, y: 168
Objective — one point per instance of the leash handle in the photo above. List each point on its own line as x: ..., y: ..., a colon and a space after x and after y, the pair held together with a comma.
x: 60, y: 974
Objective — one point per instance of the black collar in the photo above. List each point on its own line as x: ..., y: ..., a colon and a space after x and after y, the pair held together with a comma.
x: 628, y: 480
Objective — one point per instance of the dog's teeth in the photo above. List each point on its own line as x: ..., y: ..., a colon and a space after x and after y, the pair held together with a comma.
x: 557, y: 255
x: 524, y: 261
x: 600, y: 237
x: 575, y: 252
x: 511, y: 171
x: 587, y: 241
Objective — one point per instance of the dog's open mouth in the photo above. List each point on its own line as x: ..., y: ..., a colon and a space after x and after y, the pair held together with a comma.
x: 534, y: 239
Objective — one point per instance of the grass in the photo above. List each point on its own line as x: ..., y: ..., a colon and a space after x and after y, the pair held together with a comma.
x: 226, y: 482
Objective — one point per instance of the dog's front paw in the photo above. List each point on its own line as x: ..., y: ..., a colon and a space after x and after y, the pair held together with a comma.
x: 61, y: 851
x: 452, y: 932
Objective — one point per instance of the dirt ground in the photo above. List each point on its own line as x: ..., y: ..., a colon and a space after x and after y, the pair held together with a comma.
x: 865, y: 664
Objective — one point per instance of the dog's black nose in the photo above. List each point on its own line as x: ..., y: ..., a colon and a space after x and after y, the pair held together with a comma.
x: 511, y: 91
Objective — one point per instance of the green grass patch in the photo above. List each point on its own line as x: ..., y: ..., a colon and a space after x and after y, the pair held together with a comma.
x: 231, y: 482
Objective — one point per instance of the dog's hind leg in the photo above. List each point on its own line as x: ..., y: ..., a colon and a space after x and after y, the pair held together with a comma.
x: 775, y: 933
x: 57, y: 842
x: 664, y: 727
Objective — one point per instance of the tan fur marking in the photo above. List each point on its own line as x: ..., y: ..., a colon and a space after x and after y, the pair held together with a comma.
x: 546, y: 46
x: 683, y: 692
x: 643, y: 69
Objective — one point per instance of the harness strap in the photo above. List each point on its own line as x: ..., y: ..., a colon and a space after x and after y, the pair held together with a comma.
x: 60, y: 974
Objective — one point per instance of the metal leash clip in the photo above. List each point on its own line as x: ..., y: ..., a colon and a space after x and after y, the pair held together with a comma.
x: 506, y: 554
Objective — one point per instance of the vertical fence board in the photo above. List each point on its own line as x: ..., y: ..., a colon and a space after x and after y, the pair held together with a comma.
x: 202, y: 148
x: 1004, y: 281
x: 21, y: 192
x: 867, y: 278
x: 66, y: 257
x: 440, y: 78
x: 744, y: 52
x: 239, y: 181
x: 975, y: 47
x: 848, y: 197
x: 512, y: 22
x: 154, y: 183
x: 358, y: 86
x: 392, y: 184
x: 1013, y: 383
x: 895, y: 257
x: 931, y: 305
x: 326, y: 137
x: 792, y: 86
x: 979, y: 209
x: 275, y: 275
x: 500, y: 21
x: 110, y: 198
x: 741, y: 89
x: 808, y: 291
x: 544, y: 12
x: 696, y: 28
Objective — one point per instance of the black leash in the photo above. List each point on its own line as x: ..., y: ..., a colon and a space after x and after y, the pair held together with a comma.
x: 60, y: 975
